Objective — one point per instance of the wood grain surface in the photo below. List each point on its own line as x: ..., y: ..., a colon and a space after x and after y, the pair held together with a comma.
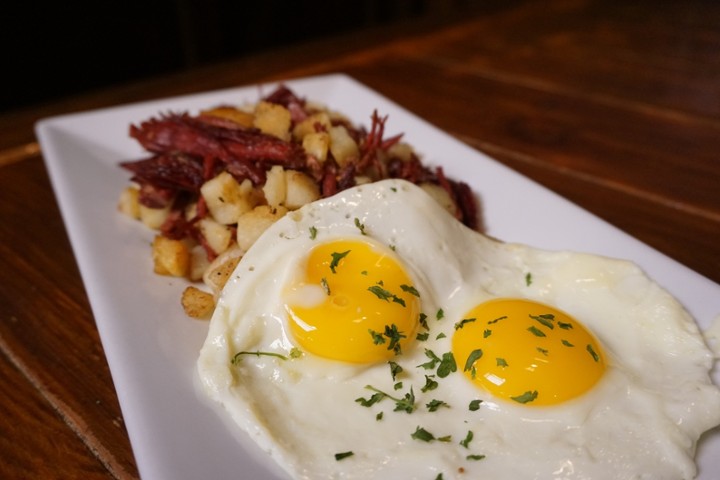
x: 614, y: 105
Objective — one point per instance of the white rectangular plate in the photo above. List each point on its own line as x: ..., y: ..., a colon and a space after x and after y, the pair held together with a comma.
x: 151, y: 346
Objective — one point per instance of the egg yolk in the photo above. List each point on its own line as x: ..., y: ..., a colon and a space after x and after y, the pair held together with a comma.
x: 353, y: 302
x: 527, y: 352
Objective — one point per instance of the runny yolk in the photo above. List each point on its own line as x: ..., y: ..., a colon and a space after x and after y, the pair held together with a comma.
x: 353, y: 302
x: 527, y: 352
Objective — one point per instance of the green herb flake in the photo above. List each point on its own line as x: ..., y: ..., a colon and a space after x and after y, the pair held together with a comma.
x: 394, y: 335
x: 434, y: 404
x: 446, y: 439
x: 565, y: 326
x: 313, y: 233
x: 468, y: 438
x: 360, y: 226
x: 474, y: 457
x: 324, y: 285
x: 430, y: 384
x: 491, y: 322
x: 383, y: 294
x: 526, y: 397
x: 395, y: 369
x: 474, y: 405
x: 238, y: 356
x: 487, y: 332
x: 410, y: 289
x: 528, y: 279
x: 447, y: 365
x: 422, y: 320
x: 542, y: 350
x: 295, y: 352
x: 592, y: 352
x: 440, y: 314
x: 545, y: 319
x: 567, y: 344
x: 462, y: 323
x: 398, y: 386
x: 379, y: 416
x: 440, y: 335
x: 535, y: 331
x: 336, y: 257
x: 474, y: 356
x: 501, y: 362
x: 343, y: 455
x: 434, y: 360
x: 378, y: 338
x: 422, y: 435
x: 439, y: 477
x: 423, y: 336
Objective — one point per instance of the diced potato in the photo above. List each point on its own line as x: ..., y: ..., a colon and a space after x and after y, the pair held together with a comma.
x: 233, y: 114
x: 252, y: 224
x: 317, y: 144
x: 129, y: 203
x: 220, y: 269
x: 275, y: 186
x: 153, y: 217
x: 300, y: 189
x: 199, y: 263
x: 342, y: 145
x: 217, y: 235
x: 441, y: 196
x: 226, y: 199
x: 273, y: 119
x: 403, y: 151
x: 170, y: 257
x: 196, y: 303
x: 307, y: 126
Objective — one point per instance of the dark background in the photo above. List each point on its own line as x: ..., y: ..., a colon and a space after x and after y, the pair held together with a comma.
x: 58, y: 49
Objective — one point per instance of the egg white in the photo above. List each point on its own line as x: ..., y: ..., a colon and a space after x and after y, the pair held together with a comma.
x: 642, y: 420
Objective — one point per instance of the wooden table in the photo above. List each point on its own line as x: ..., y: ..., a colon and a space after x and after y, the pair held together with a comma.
x: 615, y: 106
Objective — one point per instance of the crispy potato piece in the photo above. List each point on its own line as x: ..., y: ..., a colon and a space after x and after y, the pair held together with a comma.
x: 129, y: 202
x: 226, y: 199
x: 252, y: 224
x: 342, y: 145
x: 403, y: 151
x: 170, y: 257
x: 217, y: 235
x: 220, y: 269
x: 233, y: 114
x: 196, y: 303
x: 153, y: 217
x: 307, y: 126
x: 273, y: 119
x: 199, y: 263
x: 441, y: 196
x: 317, y: 145
x: 300, y: 189
x: 275, y: 186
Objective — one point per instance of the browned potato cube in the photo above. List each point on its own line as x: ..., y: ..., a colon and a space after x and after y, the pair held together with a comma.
x: 170, y: 257
x: 196, y: 303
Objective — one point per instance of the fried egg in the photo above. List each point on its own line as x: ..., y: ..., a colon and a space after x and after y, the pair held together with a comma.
x: 371, y: 335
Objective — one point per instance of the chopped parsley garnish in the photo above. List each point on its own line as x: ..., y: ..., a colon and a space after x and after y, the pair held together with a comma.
x: 526, y: 397
x: 383, y: 294
x: 528, y: 279
x: 501, y: 362
x: 410, y: 289
x: 398, y: 386
x: 360, y: 226
x: 440, y: 335
x: 592, y: 352
x: 238, y: 356
x: 313, y: 233
x: 447, y: 365
x: 474, y: 356
x: 423, y: 336
x: 295, y: 352
x: 545, y: 319
x: 487, y: 332
x: 392, y: 333
x: 543, y: 351
x: 430, y: 384
x: 378, y: 338
x: 422, y: 320
x: 406, y: 404
x: 434, y: 360
x: 462, y: 322
x: 342, y: 455
x: 395, y: 369
x: 567, y: 344
x: 474, y: 457
x: 474, y: 405
x: 468, y: 438
x: 336, y: 257
x: 422, y: 435
x: 379, y: 416
x: 535, y: 331
x: 434, y: 404
x: 440, y: 314
x: 497, y: 319
x: 565, y: 326
x: 324, y: 285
